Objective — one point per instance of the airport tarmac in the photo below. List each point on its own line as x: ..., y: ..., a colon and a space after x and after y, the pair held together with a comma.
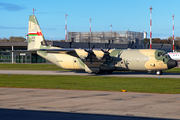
x: 117, y: 74
x: 38, y: 104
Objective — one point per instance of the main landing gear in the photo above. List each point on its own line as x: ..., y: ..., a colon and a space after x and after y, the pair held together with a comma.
x: 104, y: 72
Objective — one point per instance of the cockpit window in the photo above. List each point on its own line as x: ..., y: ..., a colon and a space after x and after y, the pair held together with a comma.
x: 167, y: 56
x: 161, y: 54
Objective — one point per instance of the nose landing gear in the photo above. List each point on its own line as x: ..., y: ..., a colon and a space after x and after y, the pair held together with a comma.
x: 159, y: 72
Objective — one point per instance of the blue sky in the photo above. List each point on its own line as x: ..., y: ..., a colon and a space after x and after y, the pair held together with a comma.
x: 122, y: 14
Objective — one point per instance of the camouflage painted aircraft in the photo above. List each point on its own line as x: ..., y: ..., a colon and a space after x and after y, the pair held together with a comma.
x: 98, y: 61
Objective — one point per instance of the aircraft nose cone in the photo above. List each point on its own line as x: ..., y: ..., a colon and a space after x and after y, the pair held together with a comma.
x: 171, y: 63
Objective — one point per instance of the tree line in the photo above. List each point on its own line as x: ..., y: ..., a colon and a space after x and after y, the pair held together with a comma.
x: 17, y: 39
x: 165, y: 41
x: 13, y: 39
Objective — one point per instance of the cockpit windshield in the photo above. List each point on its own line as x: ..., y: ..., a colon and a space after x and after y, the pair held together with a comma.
x: 163, y: 54
x: 167, y: 56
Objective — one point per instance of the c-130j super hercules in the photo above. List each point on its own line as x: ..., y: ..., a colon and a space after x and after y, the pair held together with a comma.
x: 98, y: 61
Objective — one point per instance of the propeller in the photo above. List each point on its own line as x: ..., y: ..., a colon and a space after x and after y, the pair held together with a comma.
x: 106, y: 54
x: 90, y: 53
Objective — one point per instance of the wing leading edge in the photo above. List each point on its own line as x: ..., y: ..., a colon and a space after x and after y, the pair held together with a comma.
x: 61, y: 51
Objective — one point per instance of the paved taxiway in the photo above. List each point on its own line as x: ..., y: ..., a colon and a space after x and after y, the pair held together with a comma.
x: 117, y: 74
x: 22, y: 103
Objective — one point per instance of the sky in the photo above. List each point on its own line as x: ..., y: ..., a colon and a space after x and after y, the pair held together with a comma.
x: 123, y: 15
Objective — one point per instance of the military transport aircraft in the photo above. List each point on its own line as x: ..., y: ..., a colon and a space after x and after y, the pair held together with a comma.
x: 98, y: 61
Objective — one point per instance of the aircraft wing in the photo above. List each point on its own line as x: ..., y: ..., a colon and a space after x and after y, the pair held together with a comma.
x: 57, y: 50
x: 61, y: 51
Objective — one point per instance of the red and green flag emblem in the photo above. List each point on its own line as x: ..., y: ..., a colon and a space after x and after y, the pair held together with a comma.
x: 35, y: 33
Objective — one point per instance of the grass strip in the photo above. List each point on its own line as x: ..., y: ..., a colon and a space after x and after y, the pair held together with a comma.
x: 102, y: 83
x: 173, y: 70
x: 51, y: 67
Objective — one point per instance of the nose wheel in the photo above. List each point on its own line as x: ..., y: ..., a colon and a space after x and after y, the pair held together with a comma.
x: 159, y: 72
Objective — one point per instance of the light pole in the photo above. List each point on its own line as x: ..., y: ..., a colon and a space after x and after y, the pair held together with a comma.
x: 111, y: 29
x: 173, y: 32
x: 66, y: 26
x: 150, y: 27
x: 90, y: 25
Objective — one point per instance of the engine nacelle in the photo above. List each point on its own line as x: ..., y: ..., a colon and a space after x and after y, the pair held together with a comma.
x: 92, y: 69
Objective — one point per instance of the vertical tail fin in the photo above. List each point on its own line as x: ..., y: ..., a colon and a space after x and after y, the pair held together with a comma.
x: 35, y: 36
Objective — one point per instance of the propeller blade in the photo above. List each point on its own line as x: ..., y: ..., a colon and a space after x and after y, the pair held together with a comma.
x: 86, y: 50
x: 103, y: 57
x: 102, y: 50
x: 93, y: 47
x: 91, y: 59
x: 87, y: 57
x: 109, y: 49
